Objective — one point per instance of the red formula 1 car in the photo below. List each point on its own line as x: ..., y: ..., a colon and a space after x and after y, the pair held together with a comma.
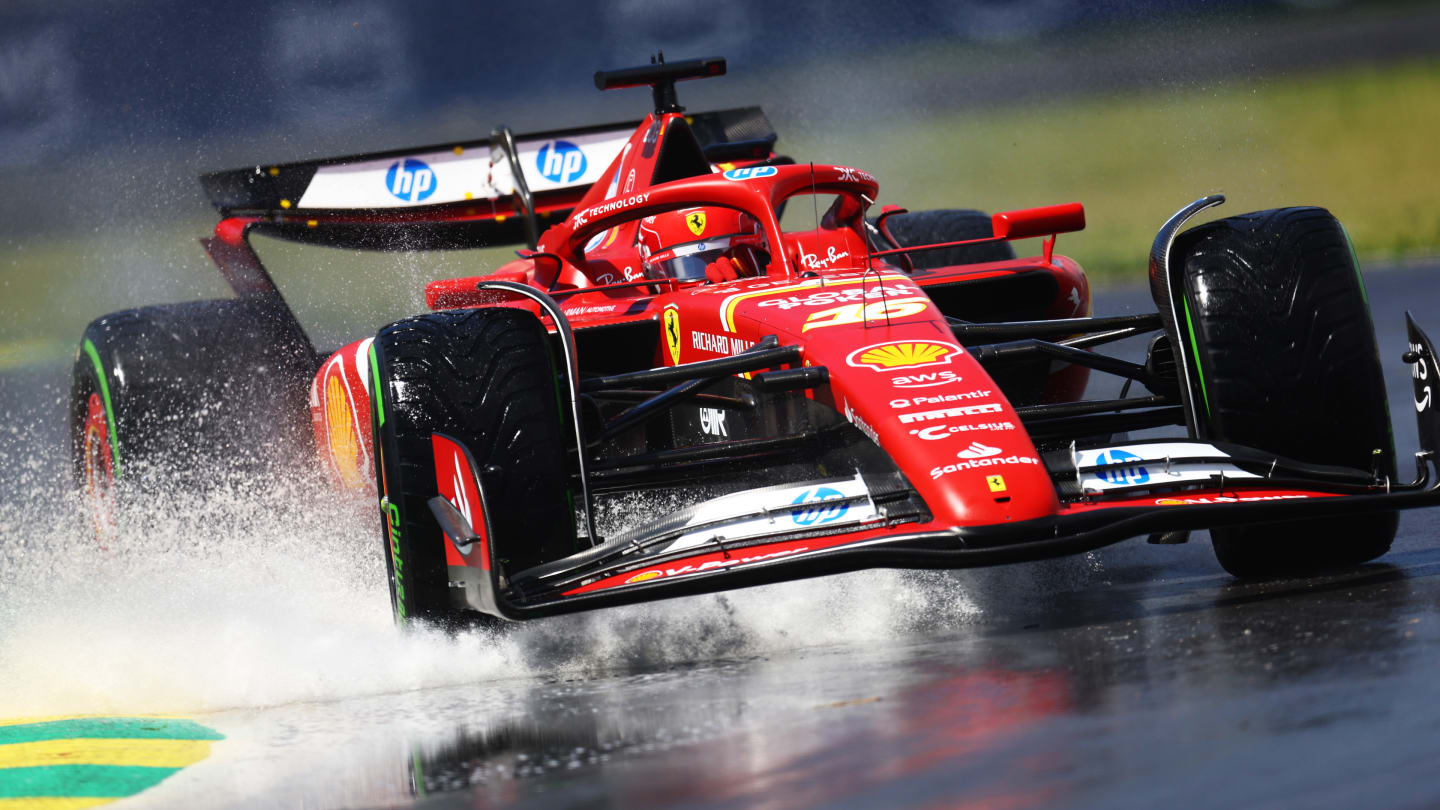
x: 856, y: 390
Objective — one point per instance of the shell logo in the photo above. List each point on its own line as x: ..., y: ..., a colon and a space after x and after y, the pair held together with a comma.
x: 902, y: 354
x: 644, y: 576
x: 341, y: 435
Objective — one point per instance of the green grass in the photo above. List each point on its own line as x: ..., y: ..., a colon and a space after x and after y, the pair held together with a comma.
x: 1360, y: 142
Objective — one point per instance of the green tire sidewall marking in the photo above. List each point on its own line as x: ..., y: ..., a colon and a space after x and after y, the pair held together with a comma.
x: 1195, y: 350
x: 94, y: 354
x: 375, y: 384
x: 389, y: 513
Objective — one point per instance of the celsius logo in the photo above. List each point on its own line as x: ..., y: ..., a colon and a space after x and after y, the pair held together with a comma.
x: 822, y: 511
x: 1124, y: 475
x: 410, y: 180
x: 560, y: 162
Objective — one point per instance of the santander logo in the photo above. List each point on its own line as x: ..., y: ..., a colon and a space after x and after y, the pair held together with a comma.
x: 978, y: 450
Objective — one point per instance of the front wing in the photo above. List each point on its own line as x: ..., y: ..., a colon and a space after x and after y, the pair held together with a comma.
x: 717, y: 565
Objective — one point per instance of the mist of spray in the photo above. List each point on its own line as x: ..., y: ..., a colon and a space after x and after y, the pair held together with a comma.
x: 259, y: 593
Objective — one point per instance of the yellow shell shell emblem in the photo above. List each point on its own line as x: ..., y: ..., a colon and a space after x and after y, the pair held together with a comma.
x: 696, y: 222
x: 341, y: 434
x: 643, y: 576
x: 905, y: 355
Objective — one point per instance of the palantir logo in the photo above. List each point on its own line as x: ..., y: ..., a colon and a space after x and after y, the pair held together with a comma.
x: 410, y: 180
x: 561, y: 162
x: 823, y: 511
x: 1122, y: 475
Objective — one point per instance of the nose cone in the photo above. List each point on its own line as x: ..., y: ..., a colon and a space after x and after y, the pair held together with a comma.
x: 946, y: 424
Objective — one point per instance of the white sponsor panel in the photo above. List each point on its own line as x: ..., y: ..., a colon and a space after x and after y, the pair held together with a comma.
x: 1135, y: 465
x: 789, y: 509
x: 562, y: 162
x: 422, y: 179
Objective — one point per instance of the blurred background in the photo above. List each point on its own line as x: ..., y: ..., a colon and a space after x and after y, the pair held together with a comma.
x: 109, y: 112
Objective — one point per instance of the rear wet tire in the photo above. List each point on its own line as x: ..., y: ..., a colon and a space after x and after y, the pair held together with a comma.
x: 948, y: 225
x: 185, y: 395
x: 484, y: 377
x: 1288, y: 363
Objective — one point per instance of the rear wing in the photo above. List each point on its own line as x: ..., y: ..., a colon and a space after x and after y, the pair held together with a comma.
x: 464, y: 194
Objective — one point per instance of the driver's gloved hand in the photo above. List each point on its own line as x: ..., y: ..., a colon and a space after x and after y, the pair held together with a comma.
x: 722, y: 269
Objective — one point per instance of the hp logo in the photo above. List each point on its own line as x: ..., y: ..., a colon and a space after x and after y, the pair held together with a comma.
x: 1121, y: 475
x: 410, y: 180
x: 560, y: 162
x: 815, y: 509
x: 750, y: 173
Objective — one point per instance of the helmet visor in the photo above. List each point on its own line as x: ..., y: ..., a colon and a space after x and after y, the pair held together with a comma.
x: 686, y: 262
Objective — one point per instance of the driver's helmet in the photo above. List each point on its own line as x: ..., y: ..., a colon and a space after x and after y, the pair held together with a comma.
x: 681, y: 244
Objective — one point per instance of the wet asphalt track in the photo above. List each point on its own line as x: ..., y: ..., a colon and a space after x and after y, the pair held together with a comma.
x: 1137, y: 676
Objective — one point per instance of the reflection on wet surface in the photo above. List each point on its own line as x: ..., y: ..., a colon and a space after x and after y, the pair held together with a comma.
x: 1191, y: 691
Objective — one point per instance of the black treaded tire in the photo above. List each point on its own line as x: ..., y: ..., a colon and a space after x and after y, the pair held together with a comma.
x: 948, y: 225
x: 486, y: 378
x: 1288, y: 362
x: 194, y: 392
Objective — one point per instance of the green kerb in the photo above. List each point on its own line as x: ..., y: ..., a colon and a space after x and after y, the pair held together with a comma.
x: 105, y: 396
x: 88, y: 781
x: 107, y: 728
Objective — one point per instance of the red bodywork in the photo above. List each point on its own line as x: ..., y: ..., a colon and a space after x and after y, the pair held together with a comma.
x: 896, y: 371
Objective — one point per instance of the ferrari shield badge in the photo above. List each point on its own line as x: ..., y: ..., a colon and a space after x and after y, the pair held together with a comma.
x: 672, y: 332
x: 696, y: 221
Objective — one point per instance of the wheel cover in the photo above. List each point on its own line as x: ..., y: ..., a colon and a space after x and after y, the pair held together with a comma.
x: 99, y: 473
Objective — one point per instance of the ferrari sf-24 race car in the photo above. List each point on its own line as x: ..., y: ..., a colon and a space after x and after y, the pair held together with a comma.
x: 858, y: 390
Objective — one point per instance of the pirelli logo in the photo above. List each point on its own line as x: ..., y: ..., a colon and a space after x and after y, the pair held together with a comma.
x: 947, y: 413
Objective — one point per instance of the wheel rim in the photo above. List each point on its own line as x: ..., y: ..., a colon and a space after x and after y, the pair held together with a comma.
x: 99, y: 459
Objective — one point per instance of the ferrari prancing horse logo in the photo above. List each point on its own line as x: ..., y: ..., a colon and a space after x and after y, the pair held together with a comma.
x: 672, y: 334
x: 696, y: 221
